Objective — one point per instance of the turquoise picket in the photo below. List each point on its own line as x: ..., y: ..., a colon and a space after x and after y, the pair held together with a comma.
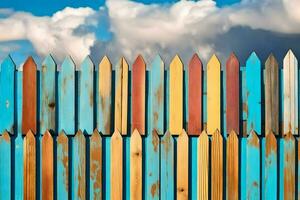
x: 193, y: 187
x: 244, y: 100
x: 5, y: 166
x: 126, y: 167
x: 62, y: 166
x: 86, y: 96
x: 253, y: 93
x: 281, y: 167
x: 167, y: 174
x: 47, y: 95
x: 7, y: 97
x: 66, y: 103
x: 253, y: 167
x: 289, y: 167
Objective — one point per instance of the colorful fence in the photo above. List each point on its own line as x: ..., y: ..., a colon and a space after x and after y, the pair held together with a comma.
x: 240, y: 141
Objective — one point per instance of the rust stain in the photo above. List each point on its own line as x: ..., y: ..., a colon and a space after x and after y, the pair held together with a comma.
x: 155, y: 140
x: 271, y: 145
x: 6, y: 137
x: 154, y: 189
x: 155, y: 118
x: 159, y: 95
x: 255, y: 184
x: 245, y: 108
x: 96, y: 164
x: 63, y: 141
x: 91, y: 98
x: 51, y: 105
x: 167, y: 142
x: 254, y: 141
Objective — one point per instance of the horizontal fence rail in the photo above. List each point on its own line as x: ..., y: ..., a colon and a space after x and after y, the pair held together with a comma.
x: 150, y: 132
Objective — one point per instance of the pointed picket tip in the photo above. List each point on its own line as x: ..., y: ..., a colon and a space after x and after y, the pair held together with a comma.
x: 271, y: 61
x: 79, y: 134
x: 29, y: 134
x: 105, y: 62
x: 233, y: 134
x: 253, y: 140
x: 157, y: 63
x: 68, y: 63
x: 62, y: 138
x: 47, y: 134
x: 233, y: 59
x: 217, y: 134
x: 86, y: 63
x: 135, y: 134
x: 195, y: 61
x: 5, y: 135
x: 214, y: 60
x: 271, y: 136
x: 176, y: 61
x: 139, y: 61
x: 183, y: 134
x: 29, y: 63
x: 289, y: 56
x: 116, y: 134
x: 123, y: 61
x: 253, y: 58
x: 96, y: 135
x: 289, y: 136
x: 49, y: 61
x: 8, y: 62
x: 203, y: 134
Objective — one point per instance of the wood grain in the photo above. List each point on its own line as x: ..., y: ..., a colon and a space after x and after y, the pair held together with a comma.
x: 203, y: 166
x: 289, y: 166
x: 213, y: 95
x: 232, y: 166
x: 271, y: 171
x: 116, y: 171
x: 136, y: 159
x: 217, y: 166
x: 47, y: 167
x: 176, y: 96
x: 232, y: 94
x: 271, y: 95
x: 183, y: 166
x: 138, y: 95
x: 195, y: 96
x: 29, y: 151
x: 104, y: 103
x: 29, y: 106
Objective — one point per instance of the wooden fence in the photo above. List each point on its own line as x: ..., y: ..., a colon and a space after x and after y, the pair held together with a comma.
x: 202, y: 133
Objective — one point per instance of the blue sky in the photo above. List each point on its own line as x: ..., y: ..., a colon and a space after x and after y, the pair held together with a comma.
x: 148, y: 27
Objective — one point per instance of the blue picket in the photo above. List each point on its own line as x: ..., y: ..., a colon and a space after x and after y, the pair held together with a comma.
x: 253, y: 166
x: 7, y: 97
x: 253, y: 93
x: 167, y: 168
x: 47, y: 95
x: 289, y: 178
x: 86, y: 96
x: 62, y: 166
x: 5, y: 166
x: 66, y: 119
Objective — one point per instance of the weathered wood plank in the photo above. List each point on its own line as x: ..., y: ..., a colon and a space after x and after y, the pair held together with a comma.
x: 271, y: 172
x: 138, y: 95
x: 7, y: 97
x: 104, y: 96
x: 167, y: 168
x: 157, y: 96
x: 217, y: 166
x: 232, y: 94
x: 96, y: 166
x: 116, y: 166
x: 47, y: 167
x: 152, y: 182
x: 213, y: 95
x: 29, y: 150
x: 203, y: 166
x: 298, y: 158
x: 5, y: 166
x: 232, y: 166
x: 183, y: 166
x: 176, y: 96
x: 289, y: 166
x: 253, y: 90
x: 271, y: 95
x: 195, y: 96
x: 121, y: 97
x: 290, y: 91
x: 67, y: 97
x: 136, y: 156
x: 47, y: 95
x: 29, y: 109
x: 253, y: 166
x: 78, y: 166
x: 86, y: 96
x: 62, y: 166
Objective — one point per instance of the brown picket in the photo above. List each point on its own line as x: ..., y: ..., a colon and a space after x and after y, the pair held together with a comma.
x: 29, y: 154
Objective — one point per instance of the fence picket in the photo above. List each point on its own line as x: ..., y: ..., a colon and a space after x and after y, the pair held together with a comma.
x: 138, y: 90
x: 47, y: 167
x: 203, y: 166
x: 195, y: 96
x: 48, y: 95
x: 270, y: 179
x: 253, y: 166
x: 29, y: 109
x: 232, y: 166
x: 253, y: 91
x: 289, y: 166
x: 183, y: 166
x: 232, y: 94
x: 96, y: 166
x: 7, y: 97
x: 29, y: 150
x: 217, y: 166
x: 66, y: 102
x: 166, y: 168
x: 176, y: 96
x: 86, y: 96
x: 78, y: 166
x: 157, y: 96
x: 213, y: 95
x: 5, y: 166
x: 104, y: 93
x: 136, y: 168
x: 290, y: 90
x: 121, y: 97
x: 116, y: 171
x: 62, y: 166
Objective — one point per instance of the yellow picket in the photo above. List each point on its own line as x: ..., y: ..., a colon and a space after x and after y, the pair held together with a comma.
x: 116, y: 171
x: 203, y: 163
